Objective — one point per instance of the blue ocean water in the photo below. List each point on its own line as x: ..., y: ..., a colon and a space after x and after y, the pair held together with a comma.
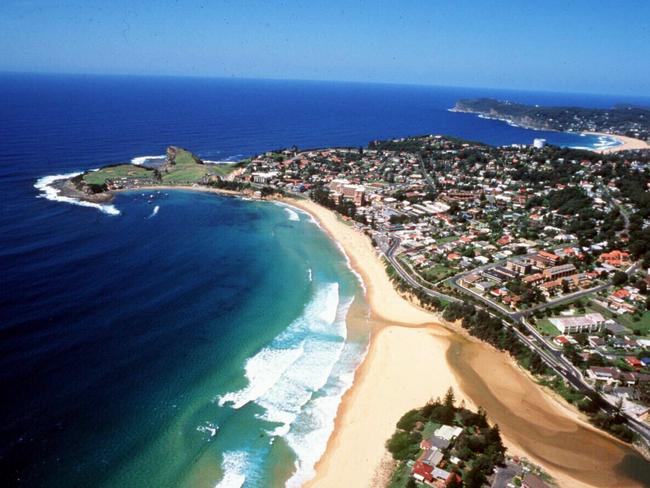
x: 125, y: 339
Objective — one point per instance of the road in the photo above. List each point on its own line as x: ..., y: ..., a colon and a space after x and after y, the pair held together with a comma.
x: 390, y: 255
x: 533, y: 339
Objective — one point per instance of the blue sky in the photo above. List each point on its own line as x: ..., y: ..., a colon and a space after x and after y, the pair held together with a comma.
x: 584, y: 46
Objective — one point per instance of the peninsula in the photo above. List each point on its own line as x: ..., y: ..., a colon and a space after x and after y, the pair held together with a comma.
x: 622, y: 120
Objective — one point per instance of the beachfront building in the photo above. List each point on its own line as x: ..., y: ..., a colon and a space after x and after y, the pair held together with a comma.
x: 342, y: 188
x: 539, y: 143
x: 591, y: 322
x: 264, y: 178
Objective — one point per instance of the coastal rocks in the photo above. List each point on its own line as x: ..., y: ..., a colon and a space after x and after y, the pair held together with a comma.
x: 78, y: 189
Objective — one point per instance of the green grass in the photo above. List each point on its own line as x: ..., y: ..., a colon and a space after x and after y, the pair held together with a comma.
x: 222, y: 169
x: 437, y: 272
x: 130, y: 171
x: 429, y: 429
x: 184, y: 170
x: 546, y: 327
x: 641, y: 326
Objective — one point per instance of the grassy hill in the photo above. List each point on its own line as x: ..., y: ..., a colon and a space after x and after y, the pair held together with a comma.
x: 180, y: 168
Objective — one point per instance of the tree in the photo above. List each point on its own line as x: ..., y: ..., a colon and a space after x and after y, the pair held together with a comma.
x: 474, y: 478
x: 619, y: 278
x: 450, y: 398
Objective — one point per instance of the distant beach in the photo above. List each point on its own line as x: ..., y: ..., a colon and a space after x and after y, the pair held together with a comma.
x: 627, y: 143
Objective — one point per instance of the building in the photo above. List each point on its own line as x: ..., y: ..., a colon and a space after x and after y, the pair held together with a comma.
x: 615, y: 258
x: 448, y: 432
x: 611, y: 376
x: 342, y: 187
x: 539, y: 143
x: 520, y: 267
x: 534, y: 279
x: 591, y: 322
x: 263, y: 178
x: 422, y: 472
x: 533, y: 481
x: 556, y: 272
x: 544, y: 258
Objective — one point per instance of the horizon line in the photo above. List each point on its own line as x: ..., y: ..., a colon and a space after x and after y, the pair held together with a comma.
x: 313, y: 80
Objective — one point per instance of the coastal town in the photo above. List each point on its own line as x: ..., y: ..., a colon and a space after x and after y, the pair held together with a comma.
x: 554, y: 241
x: 538, y: 250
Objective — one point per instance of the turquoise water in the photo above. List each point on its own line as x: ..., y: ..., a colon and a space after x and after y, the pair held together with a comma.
x: 211, y: 311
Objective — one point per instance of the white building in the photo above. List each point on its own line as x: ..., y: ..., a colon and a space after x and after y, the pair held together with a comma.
x: 591, y: 322
x: 539, y: 143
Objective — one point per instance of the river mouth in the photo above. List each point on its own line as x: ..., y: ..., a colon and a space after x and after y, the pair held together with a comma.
x: 535, y: 424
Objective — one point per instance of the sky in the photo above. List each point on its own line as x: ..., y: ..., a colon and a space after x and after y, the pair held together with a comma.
x: 596, y: 46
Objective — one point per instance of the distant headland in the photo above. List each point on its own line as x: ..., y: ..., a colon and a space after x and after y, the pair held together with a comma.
x: 621, y: 120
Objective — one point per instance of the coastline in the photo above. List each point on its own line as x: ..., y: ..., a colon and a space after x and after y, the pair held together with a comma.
x: 627, y: 143
x: 410, y: 361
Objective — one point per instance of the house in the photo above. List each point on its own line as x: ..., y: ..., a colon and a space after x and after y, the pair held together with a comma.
x: 432, y: 457
x: 561, y: 340
x: 611, y: 376
x: 615, y: 258
x: 484, y: 285
x: 470, y: 278
x: 634, y: 362
x: 448, y: 432
x: 595, y: 341
x: 422, y: 472
x: 615, y: 328
x: 533, y: 481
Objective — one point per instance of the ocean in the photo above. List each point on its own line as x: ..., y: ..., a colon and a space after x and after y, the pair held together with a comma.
x: 179, y: 338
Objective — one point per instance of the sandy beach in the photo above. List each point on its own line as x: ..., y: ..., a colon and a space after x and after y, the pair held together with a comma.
x: 414, y: 358
x: 628, y: 143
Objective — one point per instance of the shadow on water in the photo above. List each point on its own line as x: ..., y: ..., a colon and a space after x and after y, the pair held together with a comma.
x: 530, y: 420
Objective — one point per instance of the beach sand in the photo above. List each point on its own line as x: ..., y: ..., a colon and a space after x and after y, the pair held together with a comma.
x: 414, y: 358
x: 628, y: 143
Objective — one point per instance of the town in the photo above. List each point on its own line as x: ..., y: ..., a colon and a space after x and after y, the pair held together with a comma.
x: 554, y: 241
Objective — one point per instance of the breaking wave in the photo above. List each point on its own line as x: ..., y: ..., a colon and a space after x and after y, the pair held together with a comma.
x: 300, y: 377
x: 44, y: 185
x: 234, y: 467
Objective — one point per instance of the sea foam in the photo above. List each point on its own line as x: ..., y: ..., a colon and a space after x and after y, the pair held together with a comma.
x: 44, y: 185
x: 293, y: 215
x: 300, y: 377
x: 141, y: 160
x: 234, y: 467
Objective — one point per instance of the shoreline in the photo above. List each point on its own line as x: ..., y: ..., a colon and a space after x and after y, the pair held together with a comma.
x: 410, y: 360
x: 408, y: 363
x: 626, y: 143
